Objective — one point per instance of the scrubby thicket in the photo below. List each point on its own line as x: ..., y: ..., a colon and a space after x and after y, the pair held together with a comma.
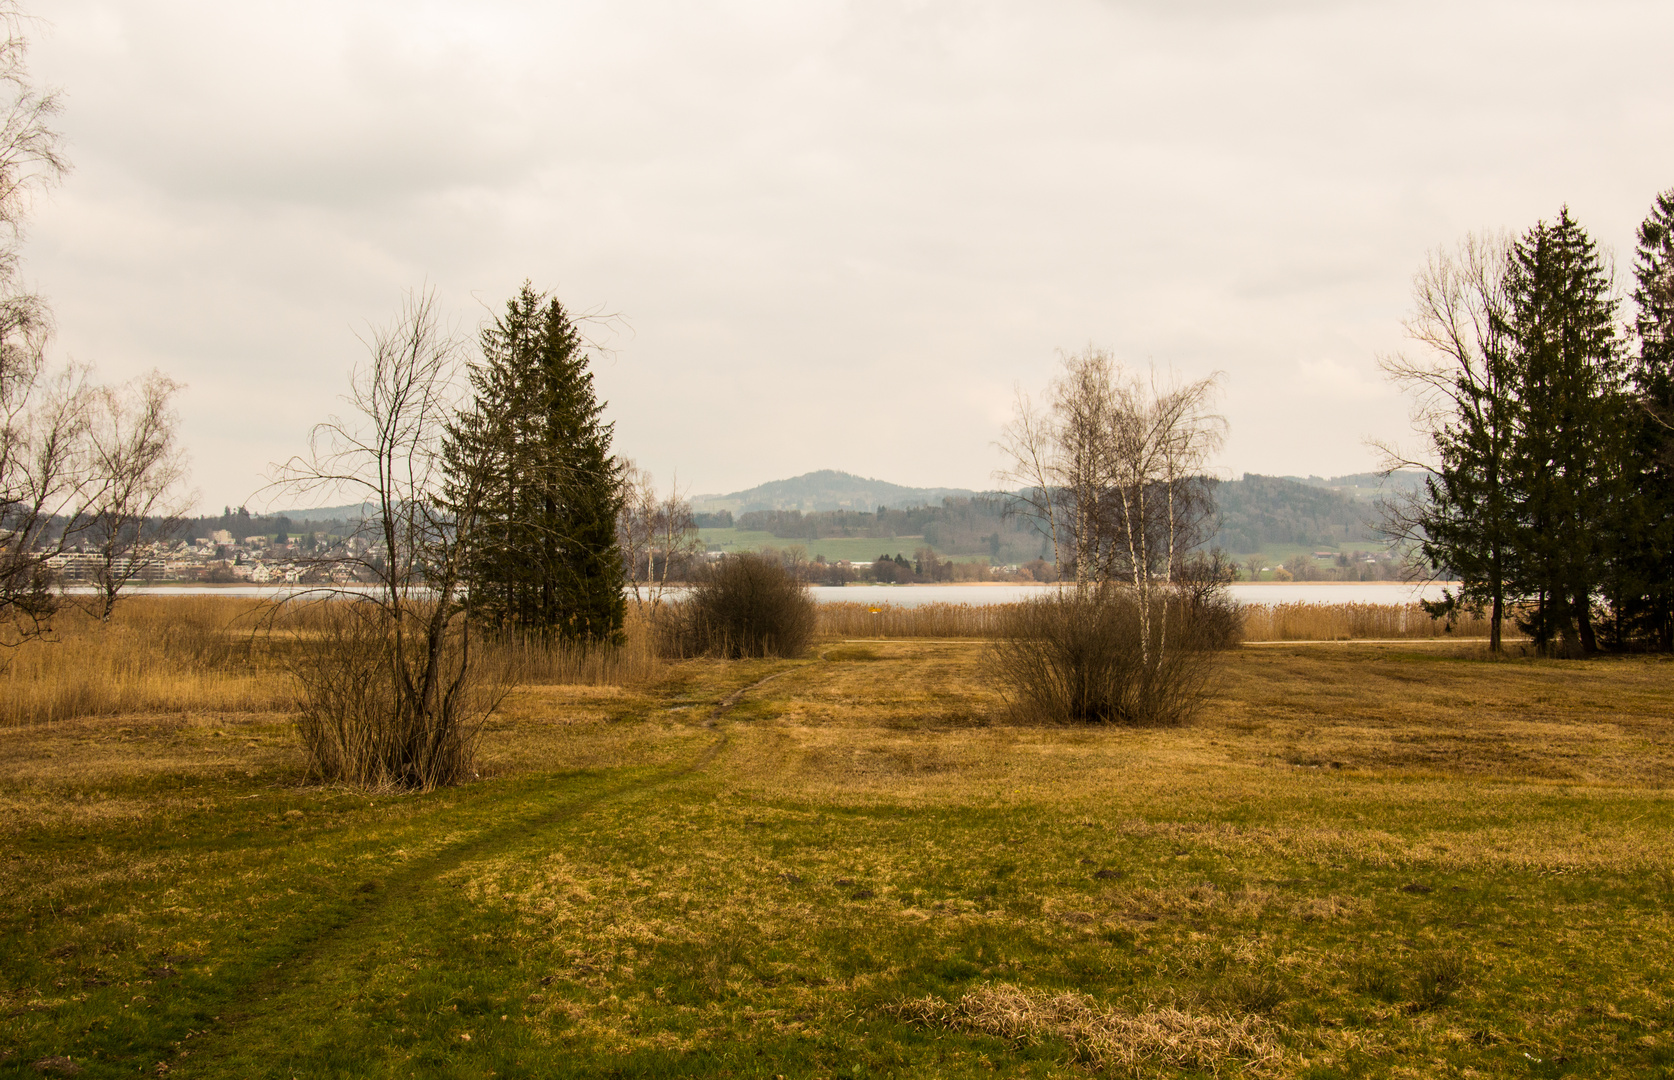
x: 1092, y: 655
x: 742, y: 606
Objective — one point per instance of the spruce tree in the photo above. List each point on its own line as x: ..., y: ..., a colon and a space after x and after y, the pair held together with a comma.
x: 1648, y: 605
x: 548, y: 563
x: 1466, y: 522
x: 1559, y: 326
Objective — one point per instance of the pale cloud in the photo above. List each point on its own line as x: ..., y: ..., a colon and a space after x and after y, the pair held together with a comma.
x: 840, y: 232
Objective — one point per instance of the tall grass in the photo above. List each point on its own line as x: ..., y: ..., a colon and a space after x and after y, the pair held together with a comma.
x: 183, y: 654
x: 534, y: 663
x: 847, y: 619
x: 1261, y: 622
x: 1351, y: 622
x: 157, y: 654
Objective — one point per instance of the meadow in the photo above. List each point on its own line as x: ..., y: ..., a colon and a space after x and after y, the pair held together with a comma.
x: 1360, y: 859
x: 833, y: 548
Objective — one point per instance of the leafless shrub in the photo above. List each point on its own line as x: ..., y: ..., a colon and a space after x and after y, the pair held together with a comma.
x: 1125, y: 1044
x: 742, y: 606
x: 353, y: 713
x: 1080, y: 657
x: 406, y: 639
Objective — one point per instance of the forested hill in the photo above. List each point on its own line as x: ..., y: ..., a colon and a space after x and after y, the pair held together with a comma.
x: 1255, y: 512
x: 1258, y: 511
x: 827, y: 489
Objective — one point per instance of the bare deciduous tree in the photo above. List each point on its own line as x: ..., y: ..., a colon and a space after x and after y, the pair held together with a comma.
x: 658, y: 536
x: 392, y: 695
x: 139, y: 464
x: 43, y: 415
x: 45, y: 481
x: 1462, y: 387
x: 1113, y: 473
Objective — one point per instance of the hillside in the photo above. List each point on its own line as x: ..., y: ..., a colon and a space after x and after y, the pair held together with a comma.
x: 826, y: 489
x: 1264, y: 511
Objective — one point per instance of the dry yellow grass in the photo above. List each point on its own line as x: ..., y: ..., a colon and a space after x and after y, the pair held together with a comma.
x: 1359, y: 857
x: 157, y: 654
x: 1301, y: 621
x: 1107, y: 1040
x: 186, y: 654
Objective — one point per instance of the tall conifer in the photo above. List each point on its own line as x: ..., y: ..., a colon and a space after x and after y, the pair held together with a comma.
x: 1561, y: 332
x: 548, y: 565
x: 1649, y: 608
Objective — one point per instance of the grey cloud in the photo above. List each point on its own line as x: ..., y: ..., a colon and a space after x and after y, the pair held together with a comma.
x: 841, y: 230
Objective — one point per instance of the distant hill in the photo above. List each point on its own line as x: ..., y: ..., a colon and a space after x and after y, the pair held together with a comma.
x: 349, y: 512
x: 1367, y: 486
x: 827, y: 489
x: 1259, y: 511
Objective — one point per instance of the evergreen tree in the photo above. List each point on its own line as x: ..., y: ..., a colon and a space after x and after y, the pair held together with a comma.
x: 1465, y: 520
x: 547, y: 564
x: 1559, y: 326
x: 1648, y: 605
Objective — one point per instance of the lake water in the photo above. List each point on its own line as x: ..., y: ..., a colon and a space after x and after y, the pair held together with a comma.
x: 1274, y: 592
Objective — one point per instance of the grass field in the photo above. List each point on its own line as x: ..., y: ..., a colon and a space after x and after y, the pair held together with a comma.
x: 834, y: 548
x: 1359, y: 861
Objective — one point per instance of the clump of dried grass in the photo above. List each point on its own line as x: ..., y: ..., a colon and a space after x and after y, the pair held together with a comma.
x: 1129, y: 1044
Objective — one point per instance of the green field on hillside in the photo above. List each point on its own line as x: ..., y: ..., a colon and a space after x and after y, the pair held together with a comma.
x: 835, y: 549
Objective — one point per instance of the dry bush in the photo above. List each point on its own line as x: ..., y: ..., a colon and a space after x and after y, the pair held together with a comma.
x: 743, y: 606
x: 1126, y: 1044
x: 1079, y: 656
x: 1301, y: 621
x: 361, y: 713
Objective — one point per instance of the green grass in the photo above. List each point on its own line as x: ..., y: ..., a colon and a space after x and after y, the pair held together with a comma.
x: 1370, y: 861
x: 835, y: 549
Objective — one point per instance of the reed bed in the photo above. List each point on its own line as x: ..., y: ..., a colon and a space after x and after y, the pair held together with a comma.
x: 1301, y: 621
x: 847, y: 619
x: 186, y: 654
x: 533, y: 663
x: 1261, y: 622
x: 157, y: 654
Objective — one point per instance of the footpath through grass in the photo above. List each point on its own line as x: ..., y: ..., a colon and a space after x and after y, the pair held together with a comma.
x: 1361, y: 861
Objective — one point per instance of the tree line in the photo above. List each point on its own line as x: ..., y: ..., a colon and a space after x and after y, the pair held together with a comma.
x: 1546, y: 416
x: 1251, y: 513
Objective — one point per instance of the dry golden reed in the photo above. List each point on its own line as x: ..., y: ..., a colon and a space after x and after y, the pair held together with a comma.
x: 1300, y: 621
x: 1262, y: 622
x: 157, y: 654
x: 847, y: 619
x: 214, y: 653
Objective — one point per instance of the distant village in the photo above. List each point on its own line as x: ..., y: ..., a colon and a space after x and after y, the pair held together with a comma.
x: 219, y: 559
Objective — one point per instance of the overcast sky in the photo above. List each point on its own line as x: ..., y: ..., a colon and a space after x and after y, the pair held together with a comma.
x: 839, y: 233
